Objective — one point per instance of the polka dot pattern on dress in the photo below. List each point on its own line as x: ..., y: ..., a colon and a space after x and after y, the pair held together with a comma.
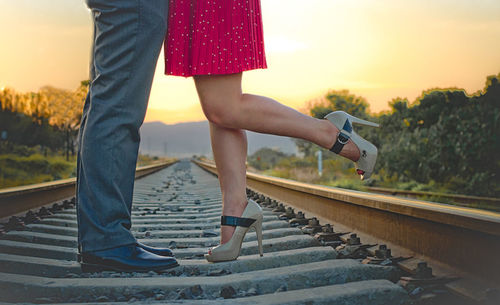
x: 214, y: 37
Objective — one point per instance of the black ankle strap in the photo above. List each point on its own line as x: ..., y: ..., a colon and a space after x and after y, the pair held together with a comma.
x: 339, y: 144
x: 343, y: 138
x: 236, y: 221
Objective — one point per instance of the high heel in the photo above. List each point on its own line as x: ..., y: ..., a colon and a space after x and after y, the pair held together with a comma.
x: 251, y: 218
x: 368, y: 152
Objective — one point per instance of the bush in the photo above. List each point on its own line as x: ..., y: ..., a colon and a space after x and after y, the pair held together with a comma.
x: 20, y: 170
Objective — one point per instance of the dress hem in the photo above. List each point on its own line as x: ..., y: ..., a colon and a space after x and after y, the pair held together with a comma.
x: 196, y: 74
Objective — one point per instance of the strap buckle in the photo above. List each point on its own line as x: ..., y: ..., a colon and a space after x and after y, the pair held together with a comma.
x: 343, y: 138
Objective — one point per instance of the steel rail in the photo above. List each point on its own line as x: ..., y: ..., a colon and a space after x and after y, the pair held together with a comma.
x: 460, y: 199
x: 464, y: 239
x: 20, y: 199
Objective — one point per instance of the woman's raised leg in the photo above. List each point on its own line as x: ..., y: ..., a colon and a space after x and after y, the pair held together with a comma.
x: 225, y: 105
x: 230, y: 112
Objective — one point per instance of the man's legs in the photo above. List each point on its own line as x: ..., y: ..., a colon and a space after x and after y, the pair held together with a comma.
x: 80, y: 134
x: 127, y: 41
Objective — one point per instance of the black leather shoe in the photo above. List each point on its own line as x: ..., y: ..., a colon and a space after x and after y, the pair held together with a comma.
x: 127, y: 258
x: 158, y: 251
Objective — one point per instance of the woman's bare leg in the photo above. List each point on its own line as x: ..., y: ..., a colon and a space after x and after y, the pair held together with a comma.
x: 229, y: 147
x: 230, y: 112
x: 225, y: 105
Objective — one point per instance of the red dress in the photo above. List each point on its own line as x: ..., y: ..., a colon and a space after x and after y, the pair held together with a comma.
x: 214, y: 37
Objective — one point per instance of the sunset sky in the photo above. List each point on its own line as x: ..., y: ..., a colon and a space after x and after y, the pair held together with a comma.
x: 378, y: 49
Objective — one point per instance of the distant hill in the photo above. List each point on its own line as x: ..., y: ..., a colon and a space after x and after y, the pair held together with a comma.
x: 193, y: 138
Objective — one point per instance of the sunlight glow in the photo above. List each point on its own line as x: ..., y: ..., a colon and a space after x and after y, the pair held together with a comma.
x: 282, y: 44
x: 376, y: 49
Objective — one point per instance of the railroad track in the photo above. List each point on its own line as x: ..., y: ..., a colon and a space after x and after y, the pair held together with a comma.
x: 487, y: 203
x: 16, y: 200
x: 179, y: 207
x: 459, y: 243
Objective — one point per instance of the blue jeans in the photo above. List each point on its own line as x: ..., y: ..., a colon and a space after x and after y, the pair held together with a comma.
x: 128, y: 35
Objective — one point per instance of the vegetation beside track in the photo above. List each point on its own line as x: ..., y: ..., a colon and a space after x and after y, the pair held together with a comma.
x: 446, y: 141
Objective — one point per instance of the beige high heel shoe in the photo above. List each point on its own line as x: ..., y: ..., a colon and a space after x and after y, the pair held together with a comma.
x: 251, y: 218
x: 368, y: 152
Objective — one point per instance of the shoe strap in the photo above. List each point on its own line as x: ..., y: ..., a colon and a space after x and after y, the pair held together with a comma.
x: 236, y: 221
x: 343, y: 138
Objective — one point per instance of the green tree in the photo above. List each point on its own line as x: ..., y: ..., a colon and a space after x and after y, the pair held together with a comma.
x: 446, y: 136
x: 265, y: 158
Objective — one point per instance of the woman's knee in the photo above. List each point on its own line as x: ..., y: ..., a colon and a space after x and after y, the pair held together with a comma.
x: 220, y: 98
x: 220, y: 113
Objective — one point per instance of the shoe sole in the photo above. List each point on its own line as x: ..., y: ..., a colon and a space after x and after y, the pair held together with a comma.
x: 211, y: 260
x: 91, y: 268
x: 79, y: 257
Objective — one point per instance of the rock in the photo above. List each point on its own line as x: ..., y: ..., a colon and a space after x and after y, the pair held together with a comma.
x: 227, y: 292
x: 282, y: 288
x: 195, y: 271
x: 417, y: 291
x: 79, y: 299
x: 208, y: 233
x: 185, y: 294
x: 102, y: 298
x: 159, y: 296
x: 428, y: 296
x: 121, y: 299
x: 252, y: 291
x: 44, y: 300
x: 196, y: 290
x: 211, y: 244
x: 217, y: 272
x: 141, y: 296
